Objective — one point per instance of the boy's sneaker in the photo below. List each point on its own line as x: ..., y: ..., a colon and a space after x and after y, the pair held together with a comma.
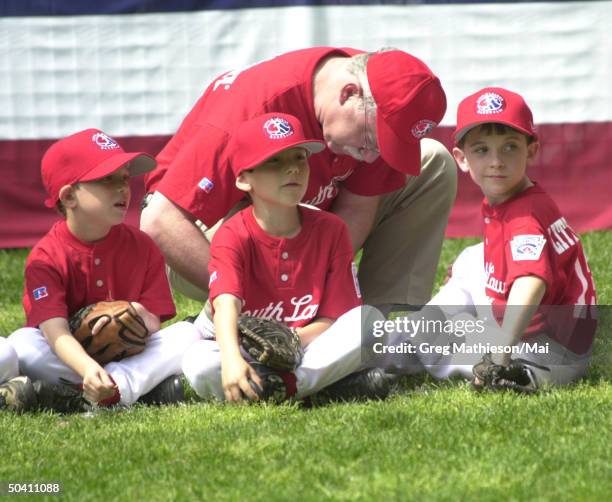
x: 18, y: 395
x: 60, y: 398
x: 364, y: 385
x: 169, y: 391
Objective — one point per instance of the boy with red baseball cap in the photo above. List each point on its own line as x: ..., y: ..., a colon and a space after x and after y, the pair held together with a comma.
x: 531, y: 267
x: 282, y: 260
x: 92, y: 256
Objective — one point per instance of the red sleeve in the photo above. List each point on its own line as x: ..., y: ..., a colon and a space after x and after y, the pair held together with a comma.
x: 374, y: 179
x: 527, y: 251
x: 156, y: 295
x: 199, y: 178
x: 44, y: 295
x: 341, y: 292
x: 226, y: 265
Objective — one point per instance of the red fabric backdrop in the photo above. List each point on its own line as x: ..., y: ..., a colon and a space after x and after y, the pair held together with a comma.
x: 573, y: 167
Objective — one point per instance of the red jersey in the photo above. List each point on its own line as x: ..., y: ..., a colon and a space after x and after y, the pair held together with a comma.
x: 291, y: 280
x: 527, y: 235
x: 193, y: 169
x: 64, y: 274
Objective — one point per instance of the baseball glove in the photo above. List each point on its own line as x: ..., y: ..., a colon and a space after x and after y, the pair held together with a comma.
x: 516, y: 377
x: 123, y: 334
x: 270, y: 343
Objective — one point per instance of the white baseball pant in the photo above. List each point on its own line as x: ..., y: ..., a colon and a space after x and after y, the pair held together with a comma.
x: 333, y: 355
x: 9, y: 366
x: 134, y: 376
x: 464, y: 296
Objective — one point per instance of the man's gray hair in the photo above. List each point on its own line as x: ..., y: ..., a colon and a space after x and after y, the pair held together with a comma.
x: 357, y: 67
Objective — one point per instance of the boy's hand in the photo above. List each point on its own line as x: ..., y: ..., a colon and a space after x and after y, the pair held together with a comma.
x: 109, y: 331
x: 97, y: 385
x: 237, y: 378
x: 151, y: 320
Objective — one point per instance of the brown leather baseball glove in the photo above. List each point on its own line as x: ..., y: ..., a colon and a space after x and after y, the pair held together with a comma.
x: 123, y: 334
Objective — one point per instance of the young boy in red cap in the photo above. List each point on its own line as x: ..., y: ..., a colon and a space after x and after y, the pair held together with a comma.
x: 282, y: 260
x: 92, y: 256
x: 531, y: 268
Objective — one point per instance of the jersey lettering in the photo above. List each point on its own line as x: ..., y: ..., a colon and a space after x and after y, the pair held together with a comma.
x: 301, y: 310
x: 562, y: 236
x: 492, y: 283
x: 330, y: 190
x: 227, y: 79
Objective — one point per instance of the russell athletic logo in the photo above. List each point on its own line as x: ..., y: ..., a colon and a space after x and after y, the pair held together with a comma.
x: 40, y: 293
x: 278, y: 128
x: 104, y: 142
x: 490, y: 103
x: 422, y: 127
x: 206, y: 185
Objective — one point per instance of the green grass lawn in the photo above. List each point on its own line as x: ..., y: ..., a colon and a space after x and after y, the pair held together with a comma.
x: 429, y: 441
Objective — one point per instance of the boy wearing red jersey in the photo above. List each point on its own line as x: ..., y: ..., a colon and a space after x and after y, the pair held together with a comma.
x: 278, y: 259
x: 92, y: 256
x: 531, y: 267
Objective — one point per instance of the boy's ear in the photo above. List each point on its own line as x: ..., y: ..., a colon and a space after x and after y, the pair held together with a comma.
x: 242, y: 183
x: 66, y: 196
x: 532, y: 150
x: 460, y: 159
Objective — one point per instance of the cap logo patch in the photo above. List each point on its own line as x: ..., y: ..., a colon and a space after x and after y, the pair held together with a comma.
x: 277, y: 128
x: 423, y: 127
x: 490, y: 103
x: 104, y: 142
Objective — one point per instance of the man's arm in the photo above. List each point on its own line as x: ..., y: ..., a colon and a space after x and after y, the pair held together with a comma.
x: 183, y: 245
x: 358, y: 212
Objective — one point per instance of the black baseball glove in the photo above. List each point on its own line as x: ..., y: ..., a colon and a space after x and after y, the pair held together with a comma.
x: 270, y: 343
x: 492, y: 376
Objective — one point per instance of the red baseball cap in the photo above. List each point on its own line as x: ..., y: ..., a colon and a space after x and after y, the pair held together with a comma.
x: 262, y: 137
x: 494, y: 104
x: 85, y: 156
x: 410, y: 102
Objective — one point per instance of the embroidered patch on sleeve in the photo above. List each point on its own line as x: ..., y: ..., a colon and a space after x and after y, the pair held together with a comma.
x: 213, y: 278
x: 40, y: 293
x: 527, y: 247
x: 206, y: 185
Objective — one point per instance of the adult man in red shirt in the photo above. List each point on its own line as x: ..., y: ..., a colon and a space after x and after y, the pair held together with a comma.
x: 371, y: 109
